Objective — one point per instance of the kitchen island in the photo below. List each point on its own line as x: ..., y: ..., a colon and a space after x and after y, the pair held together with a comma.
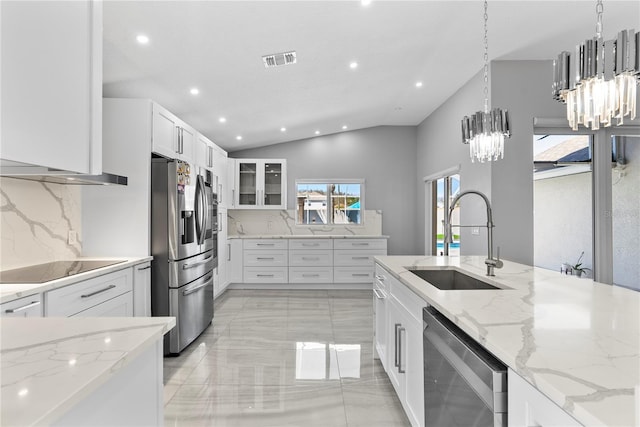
x: 574, y: 340
x: 82, y: 371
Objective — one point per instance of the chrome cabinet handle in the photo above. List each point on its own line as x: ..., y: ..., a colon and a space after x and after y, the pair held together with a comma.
x: 310, y: 258
x: 264, y: 275
x: 219, y: 193
x: 195, y: 264
x: 265, y: 244
x: 359, y: 274
x: 228, y: 251
x: 359, y: 244
x: 395, y: 363
x: 359, y: 257
x: 379, y: 294
x: 144, y: 268
x: 24, y: 307
x: 310, y: 275
x: 265, y: 258
x: 400, y: 331
x: 311, y: 244
x: 98, y: 292
x: 220, y: 221
x: 380, y: 277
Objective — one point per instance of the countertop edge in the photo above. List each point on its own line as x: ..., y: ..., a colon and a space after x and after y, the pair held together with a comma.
x: 309, y: 236
x: 13, y: 291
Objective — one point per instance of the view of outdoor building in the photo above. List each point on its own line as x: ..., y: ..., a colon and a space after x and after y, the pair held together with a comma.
x: 314, y: 200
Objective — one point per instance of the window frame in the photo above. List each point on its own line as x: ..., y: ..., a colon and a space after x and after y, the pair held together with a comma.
x: 601, y: 186
x: 328, y: 183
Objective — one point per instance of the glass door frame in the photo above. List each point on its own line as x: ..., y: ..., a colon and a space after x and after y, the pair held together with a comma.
x: 601, y: 185
x: 431, y: 217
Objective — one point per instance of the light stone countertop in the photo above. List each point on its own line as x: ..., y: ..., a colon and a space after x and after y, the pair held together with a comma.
x: 13, y: 291
x: 575, y: 340
x: 307, y: 236
x: 51, y: 364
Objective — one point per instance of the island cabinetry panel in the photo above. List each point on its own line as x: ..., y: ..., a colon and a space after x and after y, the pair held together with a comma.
x: 380, y: 309
x: 528, y: 407
x: 77, y: 298
x: 30, y: 306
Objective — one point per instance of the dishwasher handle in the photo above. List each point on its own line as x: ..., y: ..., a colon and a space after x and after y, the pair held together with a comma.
x: 486, y: 375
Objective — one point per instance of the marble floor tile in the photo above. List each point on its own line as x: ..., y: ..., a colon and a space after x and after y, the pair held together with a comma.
x: 283, y: 358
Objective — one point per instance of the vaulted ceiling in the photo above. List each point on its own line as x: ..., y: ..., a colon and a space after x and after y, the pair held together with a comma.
x: 217, y: 47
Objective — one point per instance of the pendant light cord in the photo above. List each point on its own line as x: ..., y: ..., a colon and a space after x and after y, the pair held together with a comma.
x: 486, y: 60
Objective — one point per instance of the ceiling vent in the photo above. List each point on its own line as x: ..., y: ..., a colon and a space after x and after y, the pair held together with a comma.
x: 279, y: 59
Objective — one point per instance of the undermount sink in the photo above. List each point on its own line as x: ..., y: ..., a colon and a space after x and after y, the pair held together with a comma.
x: 451, y: 280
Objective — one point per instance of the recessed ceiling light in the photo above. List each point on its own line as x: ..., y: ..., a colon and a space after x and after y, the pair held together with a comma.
x: 283, y: 129
x: 239, y: 138
x: 222, y: 120
x: 353, y: 65
x: 344, y: 127
x: 142, y: 39
x: 418, y: 84
x: 194, y: 91
x: 365, y: 2
x: 317, y: 132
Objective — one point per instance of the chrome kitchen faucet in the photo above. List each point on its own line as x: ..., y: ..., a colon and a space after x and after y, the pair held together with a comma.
x: 448, y: 238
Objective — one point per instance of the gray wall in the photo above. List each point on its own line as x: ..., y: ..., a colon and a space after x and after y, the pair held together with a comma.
x: 384, y: 156
x: 523, y: 88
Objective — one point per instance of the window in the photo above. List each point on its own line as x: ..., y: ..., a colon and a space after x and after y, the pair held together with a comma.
x: 325, y: 202
x: 444, y: 190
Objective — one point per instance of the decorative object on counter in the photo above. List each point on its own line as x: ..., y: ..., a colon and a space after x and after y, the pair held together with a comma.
x: 599, y: 84
x: 486, y: 130
x: 576, y: 269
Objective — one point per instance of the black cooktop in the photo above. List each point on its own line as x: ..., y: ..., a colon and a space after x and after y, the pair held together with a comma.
x: 42, y: 273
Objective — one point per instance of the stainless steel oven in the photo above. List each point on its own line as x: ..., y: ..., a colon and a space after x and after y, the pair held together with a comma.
x: 464, y: 384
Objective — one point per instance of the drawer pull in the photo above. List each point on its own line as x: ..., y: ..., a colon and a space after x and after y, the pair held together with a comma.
x: 264, y: 275
x: 380, y: 277
x: 98, y: 292
x: 310, y: 275
x: 24, y: 307
x: 144, y: 268
x: 265, y: 258
x: 360, y: 274
x: 360, y: 257
x: 359, y: 244
x: 310, y: 258
x: 265, y: 244
x: 378, y: 293
x: 195, y: 264
x: 311, y: 244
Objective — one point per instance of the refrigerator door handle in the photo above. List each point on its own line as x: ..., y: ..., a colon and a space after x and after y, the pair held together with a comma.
x: 206, y: 214
x: 198, y: 209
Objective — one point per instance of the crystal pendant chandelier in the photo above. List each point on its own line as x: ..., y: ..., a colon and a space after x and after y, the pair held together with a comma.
x: 486, y: 130
x: 599, y: 83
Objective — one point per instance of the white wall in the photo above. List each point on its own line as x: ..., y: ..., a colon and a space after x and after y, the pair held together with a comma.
x: 384, y: 156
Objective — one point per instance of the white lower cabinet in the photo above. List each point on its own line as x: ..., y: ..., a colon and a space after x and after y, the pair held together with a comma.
x: 93, y: 297
x: 380, y: 310
x: 234, y: 260
x: 142, y: 289
x: 529, y: 408
x: 30, y: 306
x: 404, y: 350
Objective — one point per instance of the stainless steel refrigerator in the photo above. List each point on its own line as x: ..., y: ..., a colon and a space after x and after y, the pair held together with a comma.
x: 184, y: 248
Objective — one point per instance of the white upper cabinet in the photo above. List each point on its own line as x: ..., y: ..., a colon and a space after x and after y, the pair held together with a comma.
x: 261, y: 184
x: 221, y: 166
x: 52, y: 84
x: 204, y: 152
x: 172, y: 137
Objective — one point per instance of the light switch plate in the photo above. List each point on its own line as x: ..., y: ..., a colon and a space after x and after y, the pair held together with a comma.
x: 475, y: 231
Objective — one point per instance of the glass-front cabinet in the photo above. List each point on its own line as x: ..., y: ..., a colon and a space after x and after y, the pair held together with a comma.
x: 261, y: 184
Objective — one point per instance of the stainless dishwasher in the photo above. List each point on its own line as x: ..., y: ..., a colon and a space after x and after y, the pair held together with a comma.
x: 464, y: 385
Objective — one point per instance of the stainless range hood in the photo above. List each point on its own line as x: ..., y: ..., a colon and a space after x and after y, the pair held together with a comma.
x: 56, y: 176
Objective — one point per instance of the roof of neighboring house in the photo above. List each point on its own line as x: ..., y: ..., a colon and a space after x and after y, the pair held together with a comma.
x: 574, y: 149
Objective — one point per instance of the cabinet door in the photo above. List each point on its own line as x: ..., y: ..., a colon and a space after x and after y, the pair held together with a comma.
x: 165, y: 132
x: 30, y: 306
x: 247, y: 184
x: 52, y: 104
x: 142, y: 290
x: 273, y: 194
x: 412, y: 364
x: 202, y: 152
x: 187, y: 147
x: 223, y: 251
x: 394, y: 323
x: 380, y: 298
x: 221, y: 169
x: 234, y: 260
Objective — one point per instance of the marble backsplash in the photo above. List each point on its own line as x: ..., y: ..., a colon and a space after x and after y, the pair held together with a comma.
x: 283, y: 223
x: 35, y: 220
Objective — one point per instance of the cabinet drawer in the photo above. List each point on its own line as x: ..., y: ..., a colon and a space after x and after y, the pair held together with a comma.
x: 120, y: 306
x: 310, y: 258
x: 361, y: 244
x: 310, y: 274
x: 353, y: 275
x: 255, y: 258
x: 30, y: 306
x: 310, y: 244
x: 266, y: 275
x: 383, y: 278
x: 80, y: 296
x: 265, y: 244
x: 356, y: 258
x: 411, y: 302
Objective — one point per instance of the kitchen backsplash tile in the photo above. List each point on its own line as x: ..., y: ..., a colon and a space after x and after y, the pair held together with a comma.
x: 36, y: 218
x: 283, y: 222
